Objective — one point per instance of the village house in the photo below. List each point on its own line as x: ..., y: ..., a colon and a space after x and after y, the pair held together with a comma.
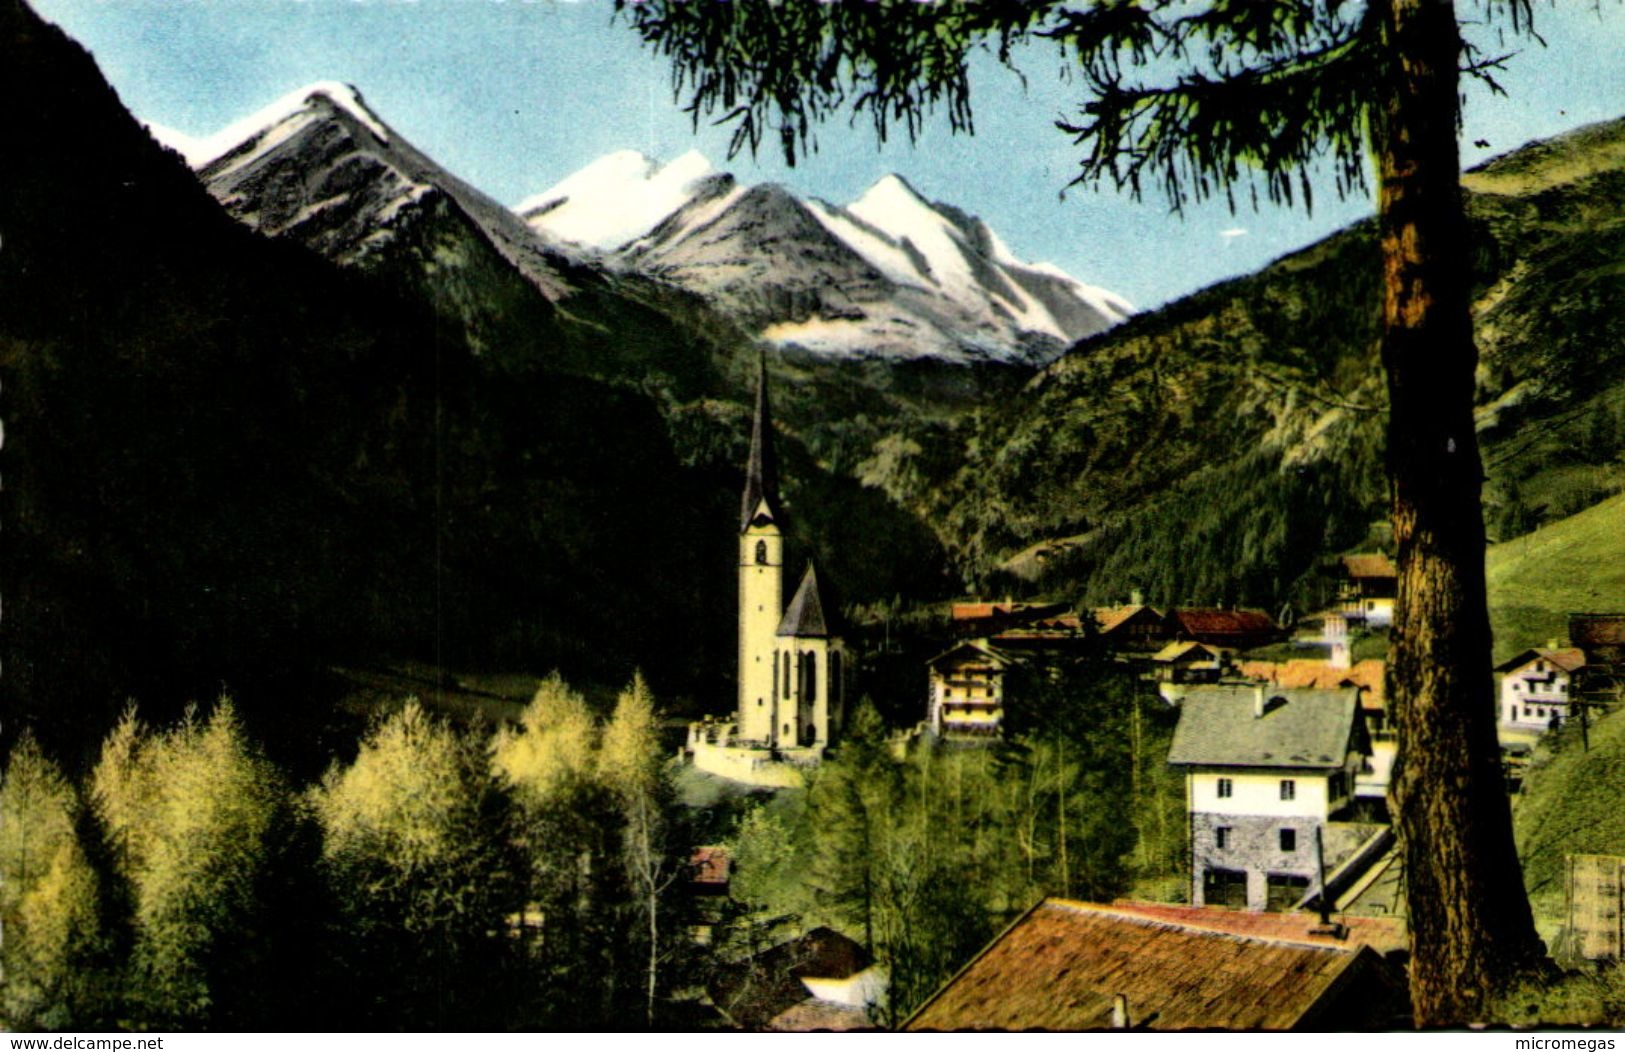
x: 1537, y: 687
x: 820, y: 980
x: 1334, y: 671
x: 1078, y: 966
x: 1132, y: 628
x: 1230, y: 629
x: 1179, y: 666
x: 966, y: 691
x: 1266, y: 771
x: 1367, y: 589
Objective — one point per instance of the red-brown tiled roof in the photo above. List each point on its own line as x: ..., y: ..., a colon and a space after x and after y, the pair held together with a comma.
x: 813, y: 1014
x: 977, y: 611
x: 1060, y: 966
x: 1369, y: 564
x: 1305, y: 672
x: 1382, y: 934
x: 711, y: 865
x: 1223, y: 622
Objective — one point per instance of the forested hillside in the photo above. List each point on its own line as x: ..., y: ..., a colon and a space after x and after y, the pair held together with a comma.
x: 1217, y: 449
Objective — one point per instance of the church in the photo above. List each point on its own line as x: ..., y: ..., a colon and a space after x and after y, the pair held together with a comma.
x: 791, y: 658
x: 792, y: 661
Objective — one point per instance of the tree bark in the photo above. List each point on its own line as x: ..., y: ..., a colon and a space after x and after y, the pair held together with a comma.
x: 1471, y: 927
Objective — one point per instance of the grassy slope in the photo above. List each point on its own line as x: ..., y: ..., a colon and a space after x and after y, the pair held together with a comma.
x: 1570, y: 805
x: 1535, y: 581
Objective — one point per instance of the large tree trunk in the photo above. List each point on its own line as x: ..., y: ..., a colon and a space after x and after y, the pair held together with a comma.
x: 1471, y: 927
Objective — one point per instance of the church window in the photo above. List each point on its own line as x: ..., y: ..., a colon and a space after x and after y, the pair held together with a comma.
x: 761, y: 552
x: 775, y: 677
x: 810, y: 671
x: 787, y: 673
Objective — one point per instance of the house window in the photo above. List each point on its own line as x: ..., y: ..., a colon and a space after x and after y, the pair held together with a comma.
x: 1540, y: 666
x: 1517, y: 685
x: 1336, y: 785
x: 1226, y: 787
x: 1289, y: 789
x: 761, y: 553
x: 1221, y: 837
x: 1289, y: 840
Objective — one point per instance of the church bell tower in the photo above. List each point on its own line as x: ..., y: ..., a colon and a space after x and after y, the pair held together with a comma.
x: 761, y: 578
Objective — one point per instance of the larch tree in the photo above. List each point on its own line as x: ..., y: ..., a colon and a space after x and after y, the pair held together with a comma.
x: 1202, y: 99
x: 568, y: 827
x: 630, y: 765
x: 416, y: 845
x: 188, y: 814
x: 48, y: 898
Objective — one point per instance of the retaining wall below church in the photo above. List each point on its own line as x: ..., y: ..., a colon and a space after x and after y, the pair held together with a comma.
x: 745, y: 765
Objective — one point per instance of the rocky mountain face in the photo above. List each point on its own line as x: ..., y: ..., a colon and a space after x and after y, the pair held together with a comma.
x: 891, y: 275
x: 1217, y: 449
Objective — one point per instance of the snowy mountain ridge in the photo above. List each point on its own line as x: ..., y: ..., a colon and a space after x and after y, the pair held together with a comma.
x: 891, y: 275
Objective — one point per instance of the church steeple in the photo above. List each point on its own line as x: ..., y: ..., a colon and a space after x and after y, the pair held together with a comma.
x: 762, y: 471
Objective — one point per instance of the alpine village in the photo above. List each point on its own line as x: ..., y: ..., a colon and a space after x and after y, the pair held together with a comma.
x: 682, y: 604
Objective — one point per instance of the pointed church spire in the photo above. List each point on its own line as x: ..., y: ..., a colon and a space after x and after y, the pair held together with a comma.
x: 804, y: 617
x: 762, y: 472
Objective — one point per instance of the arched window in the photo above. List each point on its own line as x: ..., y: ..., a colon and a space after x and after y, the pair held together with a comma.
x: 775, y: 677
x: 809, y: 684
x: 787, y: 673
x: 761, y: 553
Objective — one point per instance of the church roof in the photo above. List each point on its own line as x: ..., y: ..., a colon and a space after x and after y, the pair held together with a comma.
x: 804, y: 617
x: 762, y: 470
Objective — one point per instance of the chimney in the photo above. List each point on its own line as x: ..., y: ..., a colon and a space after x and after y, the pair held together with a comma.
x: 1119, y: 1012
x: 1551, y: 644
x: 1258, y: 701
x: 1136, y: 597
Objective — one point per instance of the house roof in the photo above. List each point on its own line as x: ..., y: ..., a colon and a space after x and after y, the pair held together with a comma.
x: 1566, y: 658
x: 978, y: 647
x: 1299, y: 728
x: 1199, y: 622
x: 1382, y: 934
x: 1181, y: 649
x: 1060, y: 966
x: 1369, y: 564
x: 711, y: 864
x: 804, y: 618
x: 1367, y: 675
x: 761, y: 471
x: 813, y: 1014
x: 758, y: 989
x: 1108, y: 618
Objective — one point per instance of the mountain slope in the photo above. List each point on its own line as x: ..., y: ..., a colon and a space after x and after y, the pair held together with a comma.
x: 1215, y: 450
x: 229, y: 461
x: 892, y: 275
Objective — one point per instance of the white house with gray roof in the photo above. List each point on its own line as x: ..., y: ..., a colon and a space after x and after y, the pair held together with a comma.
x: 1266, y: 769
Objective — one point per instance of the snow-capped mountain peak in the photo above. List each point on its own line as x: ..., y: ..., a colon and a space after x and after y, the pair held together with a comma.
x: 201, y: 150
x: 619, y: 198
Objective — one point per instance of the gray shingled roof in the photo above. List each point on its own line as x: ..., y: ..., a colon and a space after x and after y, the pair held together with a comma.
x: 1299, y: 728
x: 762, y: 471
x: 804, y: 617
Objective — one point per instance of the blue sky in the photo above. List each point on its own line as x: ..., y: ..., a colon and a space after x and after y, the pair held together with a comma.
x: 515, y: 94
